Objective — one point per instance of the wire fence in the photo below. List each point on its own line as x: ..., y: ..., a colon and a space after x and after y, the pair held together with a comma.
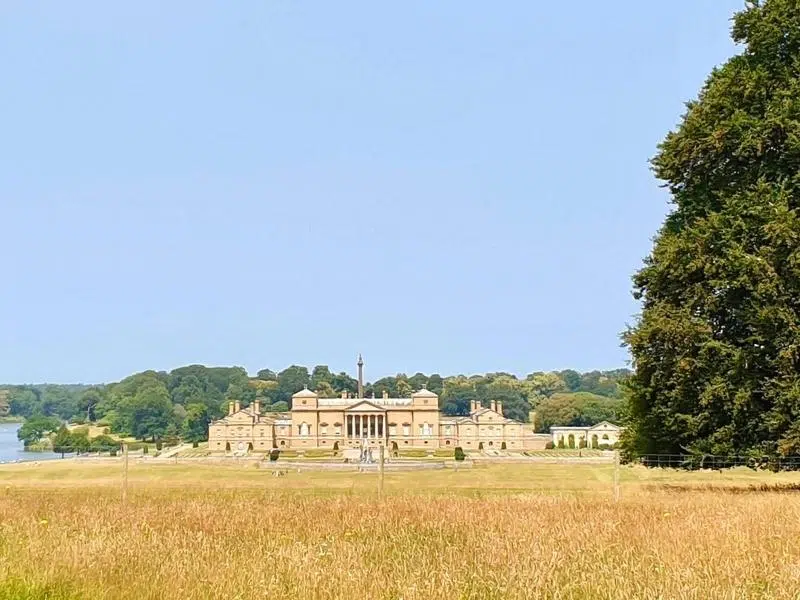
x: 694, y: 462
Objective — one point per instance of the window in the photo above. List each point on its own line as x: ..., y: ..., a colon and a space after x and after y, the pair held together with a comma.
x: 448, y: 428
x: 425, y: 429
x: 323, y: 429
x: 392, y: 428
x: 337, y: 429
x: 304, y: 429
x: 406, y: 429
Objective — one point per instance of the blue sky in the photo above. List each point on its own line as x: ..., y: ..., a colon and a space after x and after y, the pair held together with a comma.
x: 443, y: 186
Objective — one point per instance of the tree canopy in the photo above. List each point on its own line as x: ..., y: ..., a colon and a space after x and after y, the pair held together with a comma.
x: 716, y: 350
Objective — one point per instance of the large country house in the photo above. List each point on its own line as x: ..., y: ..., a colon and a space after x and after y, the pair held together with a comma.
x: 350, y: 422
x: 353, y: 421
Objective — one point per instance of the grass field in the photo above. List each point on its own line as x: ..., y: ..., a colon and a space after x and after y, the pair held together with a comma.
x: 501, y: 531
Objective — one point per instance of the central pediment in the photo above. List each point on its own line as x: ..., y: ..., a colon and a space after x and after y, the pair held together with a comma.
x: 365, y: 407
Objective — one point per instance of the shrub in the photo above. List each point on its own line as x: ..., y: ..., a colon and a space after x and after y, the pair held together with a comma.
x: 274, y: 455
x: 582, y: 444
x: 605, y: 447
x: 549, y: 446
x: 159, y: 445
x: 503, y: 446
x: 459, y: 453
x: 195, y: 444
x: 104, y: 443
x: 145, y: 449
x: 561, y: 443
x: 78, y: 420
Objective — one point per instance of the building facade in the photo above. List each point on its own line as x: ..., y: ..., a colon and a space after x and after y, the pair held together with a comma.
x: 602, y: 434
x: 350, y: 422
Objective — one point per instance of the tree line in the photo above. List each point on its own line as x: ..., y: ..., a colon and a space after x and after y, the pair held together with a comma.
x: 181, y: 403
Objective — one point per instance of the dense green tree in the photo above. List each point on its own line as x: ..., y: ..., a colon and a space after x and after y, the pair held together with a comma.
x: 507, y: 390
x: 195, y: 426
x: 716, y: 350
x: 579, y: 409
x: 62, y: 441
x: 436, y: 384
x: 24, y: 401
x: 148, y: 413
x: 89, y: 400
x: 290, y: 381
x: 267, y: 375
x: 37, y: 427
x: 320, y: 374
x: 457, y: 396
x: 342, y: 382
x: 104, y: 443
x: 79, y: 440
x: 571, y: 379
x: 539, y: 386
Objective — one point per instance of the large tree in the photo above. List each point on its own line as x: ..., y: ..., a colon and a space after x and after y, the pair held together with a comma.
x: 716, y: 350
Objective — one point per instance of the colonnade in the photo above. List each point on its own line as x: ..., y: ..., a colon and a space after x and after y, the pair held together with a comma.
x: 365, y: 426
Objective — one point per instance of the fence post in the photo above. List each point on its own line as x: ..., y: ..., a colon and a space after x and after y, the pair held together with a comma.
x: 380, y: 470
x: 124, y: 473
x: 616, y: 475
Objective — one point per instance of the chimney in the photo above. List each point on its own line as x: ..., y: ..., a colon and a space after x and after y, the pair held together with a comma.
x: 257, y: 406
x: 494, y: 405
x: 237, y: 406
x: 230, y: 407
x: 500, y: 407
x: 385, y: 394
x: 344, y: 395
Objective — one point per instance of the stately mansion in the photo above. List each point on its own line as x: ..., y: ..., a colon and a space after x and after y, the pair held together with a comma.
x: 351, y: 421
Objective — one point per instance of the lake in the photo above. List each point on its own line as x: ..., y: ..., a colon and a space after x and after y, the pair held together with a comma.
x: 12, y: 450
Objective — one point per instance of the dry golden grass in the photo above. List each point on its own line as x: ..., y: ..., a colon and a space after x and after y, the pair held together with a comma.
x: 539, y: 531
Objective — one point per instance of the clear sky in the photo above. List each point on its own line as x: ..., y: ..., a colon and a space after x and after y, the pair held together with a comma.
x: 452, y: 186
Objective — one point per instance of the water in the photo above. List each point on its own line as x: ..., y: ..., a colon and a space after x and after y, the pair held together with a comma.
x: 12, y: 450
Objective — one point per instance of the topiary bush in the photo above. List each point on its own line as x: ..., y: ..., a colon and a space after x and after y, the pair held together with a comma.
x: 582, y: 444
x: 503, y: 446
x: 459, y: 453
x: 274, y: 455
x: 549, y: 446
x: 561, y: 443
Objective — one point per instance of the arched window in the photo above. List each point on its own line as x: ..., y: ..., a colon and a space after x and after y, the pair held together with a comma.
x: 303, y: 429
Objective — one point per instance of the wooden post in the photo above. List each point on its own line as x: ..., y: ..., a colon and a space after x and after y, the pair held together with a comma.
x: 381, y: 455
x: 616, y: 475
x: 124, y: 473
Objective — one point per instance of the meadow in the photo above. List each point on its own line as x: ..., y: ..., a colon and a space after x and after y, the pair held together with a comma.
x: 499, y: 531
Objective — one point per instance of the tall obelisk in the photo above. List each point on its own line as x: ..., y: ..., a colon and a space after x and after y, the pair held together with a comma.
x: 360, y: 376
